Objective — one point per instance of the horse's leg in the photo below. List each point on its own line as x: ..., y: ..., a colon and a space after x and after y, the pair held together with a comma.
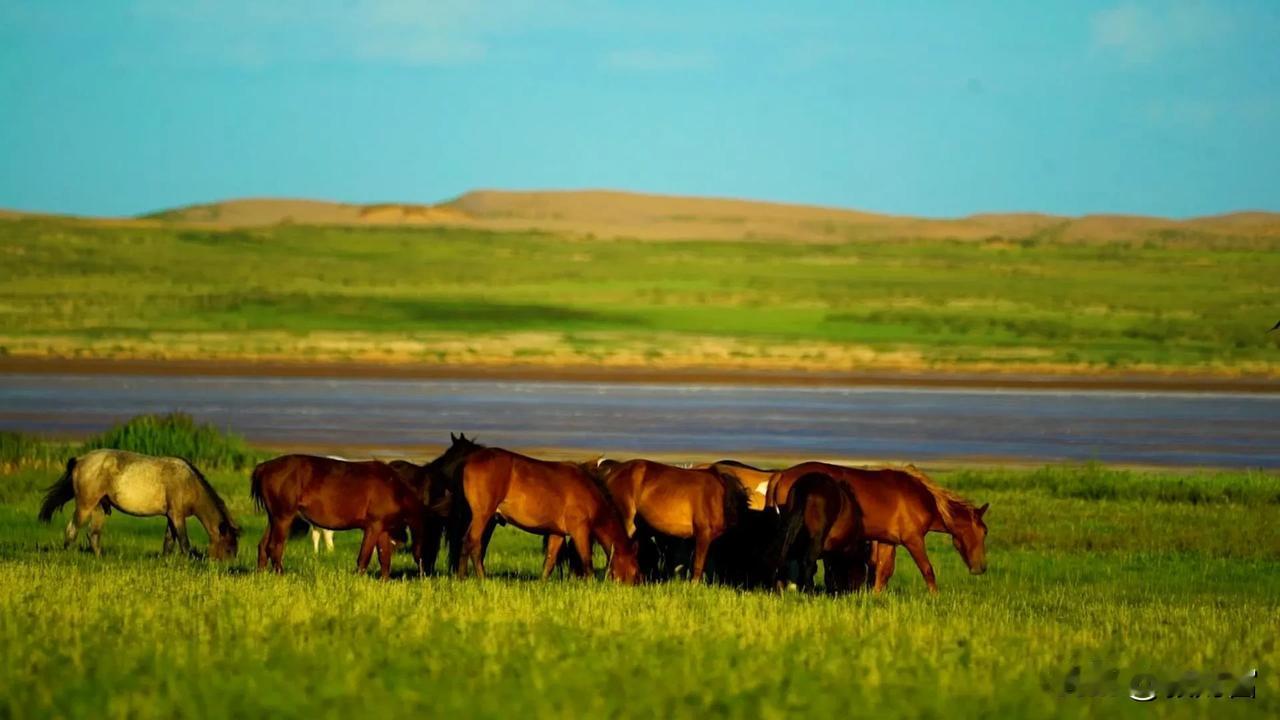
x: 811, y: 557
x: 553, y: 545
x: 836, y: 570
x: 418, y: 531
x: 371, y: 536
x: 489, y: 529
x: 328, y: 540
x: 915, y: 546
x: 886, y: 555
x: 78, y: 519
x: 702, y: 543
x: 862, y: 567
x: 384, y: 554
x: 265, y: 543
x: 180, y: 532
x: 96, y: 520
x: 315, y: 540
x: 582, y: 543
x: 279, y: 536
x: 473, y: 543
x: 168, y: 538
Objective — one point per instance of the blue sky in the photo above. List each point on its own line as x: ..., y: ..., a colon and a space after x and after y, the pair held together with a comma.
x: 938, y: 109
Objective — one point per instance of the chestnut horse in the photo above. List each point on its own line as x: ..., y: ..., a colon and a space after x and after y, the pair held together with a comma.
x: 898, y: 508
x: 821, y: 520
x: 337, y: 495
x: 407, y: 472
x: 553, y: 499
x: 679, y: 502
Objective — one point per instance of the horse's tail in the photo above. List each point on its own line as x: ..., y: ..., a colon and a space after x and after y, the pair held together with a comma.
x: 788, y: 532
x: 255, y: 488
x: 737, y: 499
x: 59, y: 493
x: 299, y: 527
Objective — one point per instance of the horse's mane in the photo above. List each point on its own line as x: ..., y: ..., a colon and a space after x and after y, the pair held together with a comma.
x: 948, y: 502
x: 592, y: 470
x: 213, y: 494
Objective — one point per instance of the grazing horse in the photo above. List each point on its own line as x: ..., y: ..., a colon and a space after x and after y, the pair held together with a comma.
x: 679, y: 502
x: 821, y: 520
x: 898, y: 508
x: 144, y: 486
x: 407, y: 472
x: 553, y: 499
x: 337, y: 495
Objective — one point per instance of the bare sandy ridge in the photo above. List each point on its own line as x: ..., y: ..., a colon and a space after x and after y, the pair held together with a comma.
x: 612, y: 214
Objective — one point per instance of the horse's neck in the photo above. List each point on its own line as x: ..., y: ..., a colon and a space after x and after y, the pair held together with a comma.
x: 609, y: 530
x: 937, y: 523
x: 207, y: 511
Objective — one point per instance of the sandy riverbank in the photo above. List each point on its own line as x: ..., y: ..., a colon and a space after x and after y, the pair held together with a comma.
x: 1154, y: 382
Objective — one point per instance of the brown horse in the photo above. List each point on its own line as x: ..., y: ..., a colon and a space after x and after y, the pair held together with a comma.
x: 821, y: 520
x: 553, y: 499
x: 898, y: 508
x: 679, y: 502
x: 337, y: 495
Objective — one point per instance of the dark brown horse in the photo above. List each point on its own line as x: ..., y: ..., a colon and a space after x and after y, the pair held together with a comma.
x: 678, y: 502
x: 553, y: 499
x: 337, y: 495
x: 898, y: 508
x: 821, y: 520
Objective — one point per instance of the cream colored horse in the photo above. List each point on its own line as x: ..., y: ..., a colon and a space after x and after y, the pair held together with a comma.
x: 144, y: 486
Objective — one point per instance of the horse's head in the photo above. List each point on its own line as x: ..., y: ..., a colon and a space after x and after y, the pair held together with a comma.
x: 226, y: 544
x: 969, y: 535
x: 443, y: 467
x: 624, y: 563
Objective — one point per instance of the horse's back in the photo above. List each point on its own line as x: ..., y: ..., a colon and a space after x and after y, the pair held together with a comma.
x: 892, y: 503
x: 135, y: 483
x: 677, y: 501
x: 527, y: 479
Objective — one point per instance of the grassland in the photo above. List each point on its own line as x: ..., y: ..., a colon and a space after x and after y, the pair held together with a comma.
x: 1177, y: 301
x: 1144, y: 572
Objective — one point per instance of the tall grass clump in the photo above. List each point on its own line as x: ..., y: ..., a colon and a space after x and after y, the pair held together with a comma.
x: 179, y: 435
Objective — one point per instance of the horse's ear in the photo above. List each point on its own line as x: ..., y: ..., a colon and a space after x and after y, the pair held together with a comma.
x: 453, y: 438
x: 983, y: 510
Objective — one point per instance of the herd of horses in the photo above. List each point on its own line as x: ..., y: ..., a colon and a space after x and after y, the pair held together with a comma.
x: 726, y: 521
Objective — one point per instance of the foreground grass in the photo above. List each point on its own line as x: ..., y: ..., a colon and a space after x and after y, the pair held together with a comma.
x: 1145, y: 583
x: 464, y: 296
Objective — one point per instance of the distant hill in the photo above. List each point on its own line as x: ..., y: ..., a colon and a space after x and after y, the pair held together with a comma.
x: 603, y: 213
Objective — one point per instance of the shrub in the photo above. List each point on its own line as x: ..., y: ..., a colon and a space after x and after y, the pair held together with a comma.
x: 179, y: 435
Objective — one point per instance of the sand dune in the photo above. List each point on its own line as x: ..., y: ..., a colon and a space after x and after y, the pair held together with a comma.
x: 612, y: 214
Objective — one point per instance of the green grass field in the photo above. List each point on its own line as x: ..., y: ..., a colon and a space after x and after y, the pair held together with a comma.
x: 1143, y: 572
x: 433, y: 295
